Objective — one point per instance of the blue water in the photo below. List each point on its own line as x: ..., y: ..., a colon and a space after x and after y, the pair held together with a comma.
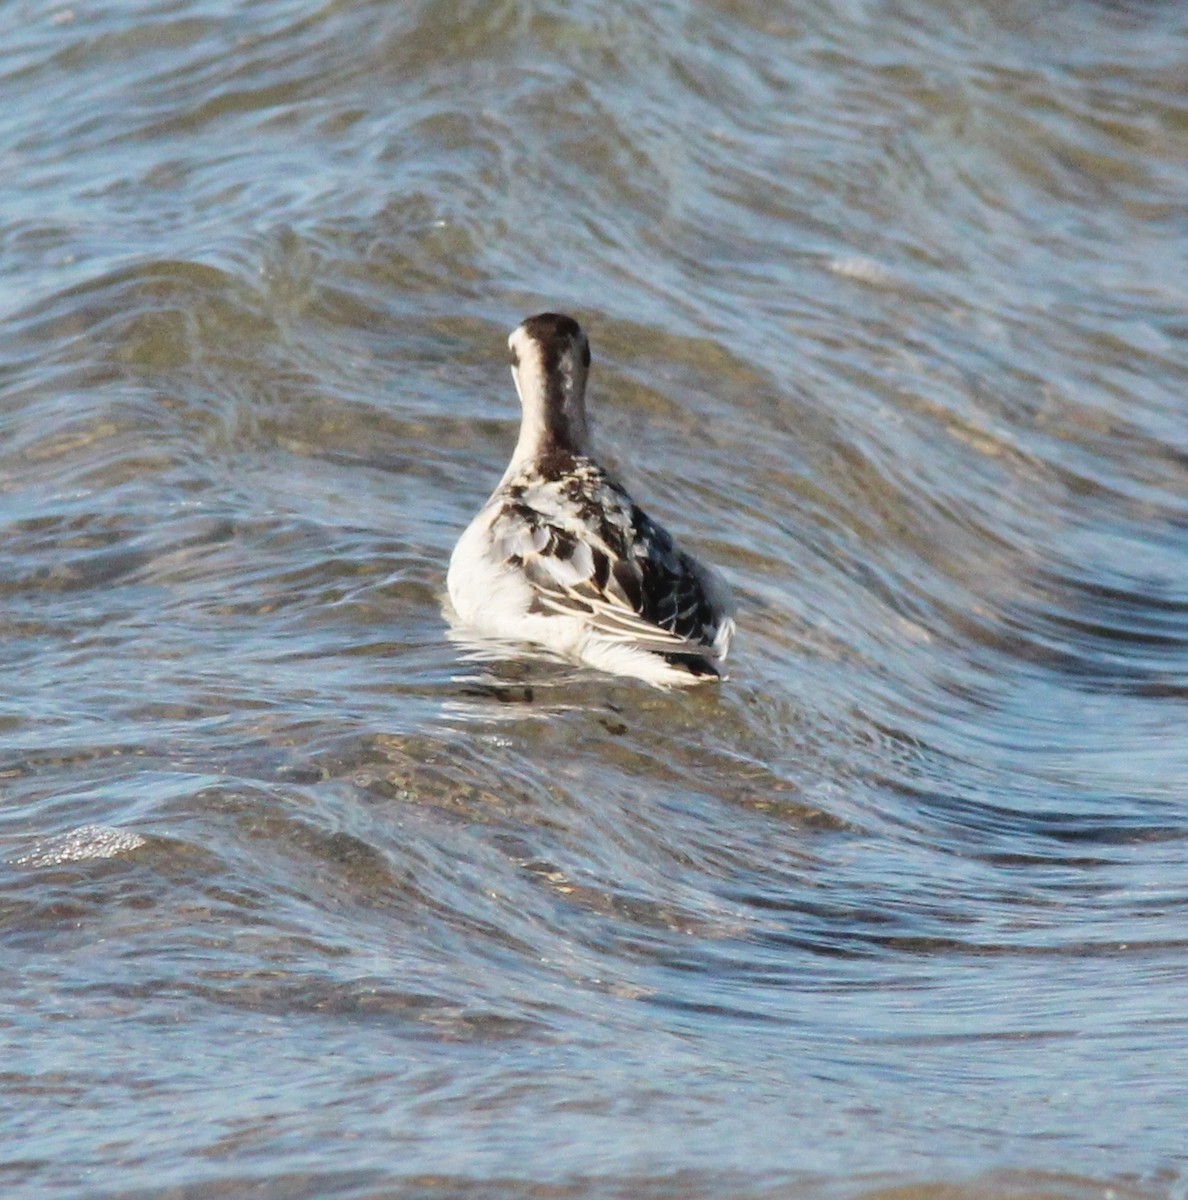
x: 887, y: 305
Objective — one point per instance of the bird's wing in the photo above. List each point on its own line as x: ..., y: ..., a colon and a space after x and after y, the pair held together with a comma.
x: 620, y: 573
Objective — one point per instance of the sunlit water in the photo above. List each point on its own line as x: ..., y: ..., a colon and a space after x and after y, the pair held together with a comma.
x: 889, y: 311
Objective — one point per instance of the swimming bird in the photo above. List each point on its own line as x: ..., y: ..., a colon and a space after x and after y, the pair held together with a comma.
x: 562, y: 558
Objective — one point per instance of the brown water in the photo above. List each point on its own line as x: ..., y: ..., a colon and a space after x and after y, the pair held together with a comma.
x: 888, y: 308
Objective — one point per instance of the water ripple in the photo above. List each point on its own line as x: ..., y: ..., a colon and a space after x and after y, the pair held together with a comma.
x: 300, y: 897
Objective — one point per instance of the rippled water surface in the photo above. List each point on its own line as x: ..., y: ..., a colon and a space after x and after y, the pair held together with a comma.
x: 888, y: 307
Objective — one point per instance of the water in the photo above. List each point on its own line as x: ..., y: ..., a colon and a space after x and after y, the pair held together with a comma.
x: 887, y: 303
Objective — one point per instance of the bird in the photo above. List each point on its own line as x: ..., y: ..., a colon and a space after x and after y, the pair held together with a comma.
x: 562, y: 559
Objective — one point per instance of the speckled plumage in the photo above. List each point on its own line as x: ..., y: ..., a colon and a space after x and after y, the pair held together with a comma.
x: 561, y: 556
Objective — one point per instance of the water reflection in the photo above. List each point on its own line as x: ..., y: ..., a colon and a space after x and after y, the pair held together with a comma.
x: 299, y: 895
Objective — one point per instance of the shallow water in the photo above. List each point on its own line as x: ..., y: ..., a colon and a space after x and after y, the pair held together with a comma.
x: 888, y: 309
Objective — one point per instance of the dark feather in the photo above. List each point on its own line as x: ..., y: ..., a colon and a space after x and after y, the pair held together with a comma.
x: 588, y: 550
